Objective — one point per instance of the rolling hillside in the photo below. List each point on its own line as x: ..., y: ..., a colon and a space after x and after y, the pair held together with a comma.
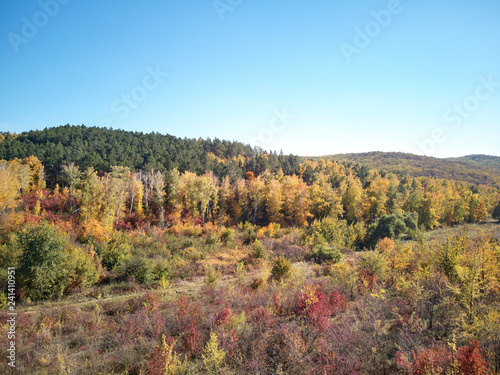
x: 474, y: 169
x: 479, y: 160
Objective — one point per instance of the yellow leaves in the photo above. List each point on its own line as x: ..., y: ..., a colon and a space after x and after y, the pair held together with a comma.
x: 173, y: 363
x: 92, y: 228
x: 386, y: 245
x: 379, y: 295
x: 309, y: 295
x: 9, y: 187
x: 213, y: 357
x: 296, y: 201
x: 274, y: 200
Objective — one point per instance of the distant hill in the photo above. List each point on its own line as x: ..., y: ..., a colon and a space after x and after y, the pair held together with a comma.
x: 479, y: 160
x: 474, y: 169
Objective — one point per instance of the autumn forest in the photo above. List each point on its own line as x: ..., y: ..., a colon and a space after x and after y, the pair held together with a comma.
x: 149, y: 254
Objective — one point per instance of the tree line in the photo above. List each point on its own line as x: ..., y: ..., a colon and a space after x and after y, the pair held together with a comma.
x: 367, y: 206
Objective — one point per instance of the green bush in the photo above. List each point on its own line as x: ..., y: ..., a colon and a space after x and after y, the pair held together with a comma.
x: 248, y: 232
x: 324, y: 253
x: 141, y: 269
x: 227, y: 234
x: 116, y: 253
x: 393, y: 226
x: 259, y: 250
x: 50, y: 265
x: 374, y: 263
x: 281, y: 269
x: 211, y: 239
x: 161, y: 269
x: 213, y: 276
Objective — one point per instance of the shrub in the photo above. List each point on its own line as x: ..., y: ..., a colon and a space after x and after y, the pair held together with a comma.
x: 161, y: 270
x: 241, y: 271
x: 227, y: 235
x: 282, y: 268
x: 213, y: 276
x: 83, y: 268
x: 192, y: 254
x: 49, y: 264
x: 211, y: 239
x: 116, y: 253
x: 165, y: 361
x: 259, y: 250
x: 393, y: 226
x: 213, y: 357
x: 373, y: 262
x: 248, y: 232
x: 141, y: 269
x: 324, y: 253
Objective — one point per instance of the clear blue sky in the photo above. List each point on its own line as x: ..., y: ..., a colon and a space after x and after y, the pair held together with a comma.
x: 421, y: 69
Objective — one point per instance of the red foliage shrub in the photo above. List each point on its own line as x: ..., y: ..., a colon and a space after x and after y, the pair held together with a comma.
x: 151, y: 301
x: 318, y: 309
x: 471, y: 361
x: 261, y: 317
x: 192, y: 338
x: 312, y: 304
x: 156, y: 360
x: 224, y: 316
x: 228, y: 341
x: 188, y: 322
x: 337, y: 301
x: 468, y: 360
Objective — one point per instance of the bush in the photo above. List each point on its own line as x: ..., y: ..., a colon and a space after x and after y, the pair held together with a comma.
x: 393, y: 226
x: 259, y: 250
x: 282, y: 268
x: 373, y: 262
x: 248, y: 232
x: 213, y: 276
x: 161, y: 270
x: 141, y: 269
x: 211, y: 239
x: 49, y: 264
x: 324, y: 253
x: 227, y: 235
x: 116, y: 253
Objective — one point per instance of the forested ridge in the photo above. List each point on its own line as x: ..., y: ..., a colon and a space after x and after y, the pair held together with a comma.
x: 102, y: 148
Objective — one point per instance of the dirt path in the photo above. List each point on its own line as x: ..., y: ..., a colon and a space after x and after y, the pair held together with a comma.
x: 188, y: 287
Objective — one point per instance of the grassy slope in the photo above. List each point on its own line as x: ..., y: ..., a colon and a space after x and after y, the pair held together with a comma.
x: 482, y: 170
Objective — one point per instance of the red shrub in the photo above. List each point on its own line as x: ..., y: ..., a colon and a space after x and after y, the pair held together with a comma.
x: 224, y: 317
x: 337, y: 301
x: 192, y: 338
x: 312, y: 303
x: 471, y: 361
x: 440, y: 360
x: 157, y: 359
x: 261, y: 317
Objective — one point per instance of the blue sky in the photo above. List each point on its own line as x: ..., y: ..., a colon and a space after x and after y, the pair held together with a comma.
x: 308, y: 77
